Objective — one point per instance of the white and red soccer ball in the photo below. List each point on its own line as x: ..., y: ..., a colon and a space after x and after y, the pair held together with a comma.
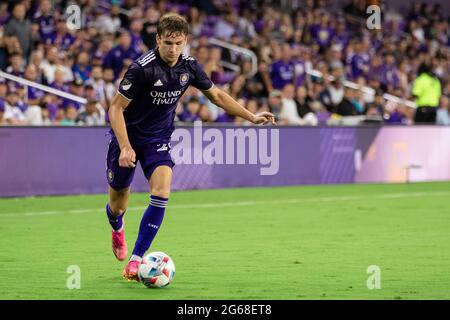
x: 156, y: 270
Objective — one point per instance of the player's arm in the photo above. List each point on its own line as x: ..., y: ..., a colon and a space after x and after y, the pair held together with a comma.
x: 129, y: 87
x: 220, y: 98
x: 231, y: 106
x: 127, y: 155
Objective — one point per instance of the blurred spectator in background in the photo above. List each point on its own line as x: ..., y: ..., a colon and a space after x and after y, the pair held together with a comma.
x: 19, y: 27
x: 69, y: 116
x: 282, y: 71
x: 252, y: 106
x: 427, y: 90
x: 110, y: 87
x: 321, y: 35
x: 190, y: 111
x: 109, y: 23
x: 2, y: 111
x: 16, y: 66
x: 149, y: 27
x: 289, y: 107
x: 45, y: 21
x: 98, y: 85
x: 396, y: 115
x: 303, y: 102
x: 443, y: 113
x: 360, y: 61
x: 76, y: 88
x: 336, y: 91
x: 346, y: 107
x: 259, y: 85
x: 62, y: 38
x: 117, y: 57
x: 49, y: 65
x: 226, y: 25
x: 82, y: 68
x: 14, y: 112
x: 91, y: 115
x: 204, y: 114
x: 34, y: 95
x: 275, y: 106
x: 3, y: 88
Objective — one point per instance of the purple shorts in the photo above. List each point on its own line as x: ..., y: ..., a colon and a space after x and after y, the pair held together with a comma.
x: 150, y: 156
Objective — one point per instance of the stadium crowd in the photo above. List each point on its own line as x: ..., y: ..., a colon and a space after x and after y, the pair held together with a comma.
x: 408, y: 57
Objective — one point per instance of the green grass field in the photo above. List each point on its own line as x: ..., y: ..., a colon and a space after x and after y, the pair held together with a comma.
x: 311, y: 242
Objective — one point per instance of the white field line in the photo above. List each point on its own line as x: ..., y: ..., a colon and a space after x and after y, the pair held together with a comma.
x: 242, y: 203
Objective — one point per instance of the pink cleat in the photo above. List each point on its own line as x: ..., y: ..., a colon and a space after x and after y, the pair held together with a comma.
x: 119, y: 245
x: 131, y: 271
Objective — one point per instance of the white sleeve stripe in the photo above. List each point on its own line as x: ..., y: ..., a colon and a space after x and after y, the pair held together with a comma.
x: 146, y: 62
x: 124, y: 96
x: 146, y: 59
x: 147, y: 56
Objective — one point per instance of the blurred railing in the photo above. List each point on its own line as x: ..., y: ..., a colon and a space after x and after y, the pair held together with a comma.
x: 39, y: 86
x: 365, y: 89
x: 244, y: 51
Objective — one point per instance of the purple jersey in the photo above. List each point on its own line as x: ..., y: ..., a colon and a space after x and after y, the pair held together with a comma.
x: 342, y: 39
x: 115, y: 57
x: 300, y: 72
x: 71, y: 103
x: 34, y: 93
x: 136, y: 43
x: 63, y: 87
x: 4, y: 19
x: 17, y: 73
x: 63, y: 41
x: 187, y: 116
x: 153, y: 89
x: 360, y: 65
x: 324, y: 36
x: 390, y: 76
x: 282, y: 73
x: 47, y: 27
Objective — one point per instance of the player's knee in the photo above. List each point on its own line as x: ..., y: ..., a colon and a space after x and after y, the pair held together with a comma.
x: 159, y: 191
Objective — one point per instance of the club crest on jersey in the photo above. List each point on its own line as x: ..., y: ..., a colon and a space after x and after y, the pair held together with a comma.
x: 126, y: 84
x: 184, y: 78
x: 110, y: 175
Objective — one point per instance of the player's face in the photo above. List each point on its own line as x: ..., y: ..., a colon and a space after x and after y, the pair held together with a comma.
x: 171, y: 46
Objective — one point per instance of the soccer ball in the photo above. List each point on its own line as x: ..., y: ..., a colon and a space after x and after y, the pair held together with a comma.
x: 156, y: 270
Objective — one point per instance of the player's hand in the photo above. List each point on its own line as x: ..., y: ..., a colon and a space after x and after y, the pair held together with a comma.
x: 264, y: 118
x: 127, y: 158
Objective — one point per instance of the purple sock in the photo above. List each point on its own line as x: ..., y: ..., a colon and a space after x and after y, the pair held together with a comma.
x: 116, y: 222
x: 150, y: 223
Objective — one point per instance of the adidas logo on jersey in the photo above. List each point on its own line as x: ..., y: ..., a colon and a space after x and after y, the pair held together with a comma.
x: 158, y: 83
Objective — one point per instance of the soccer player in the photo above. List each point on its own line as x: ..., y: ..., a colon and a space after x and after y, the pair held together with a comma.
x: 142, y: 115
